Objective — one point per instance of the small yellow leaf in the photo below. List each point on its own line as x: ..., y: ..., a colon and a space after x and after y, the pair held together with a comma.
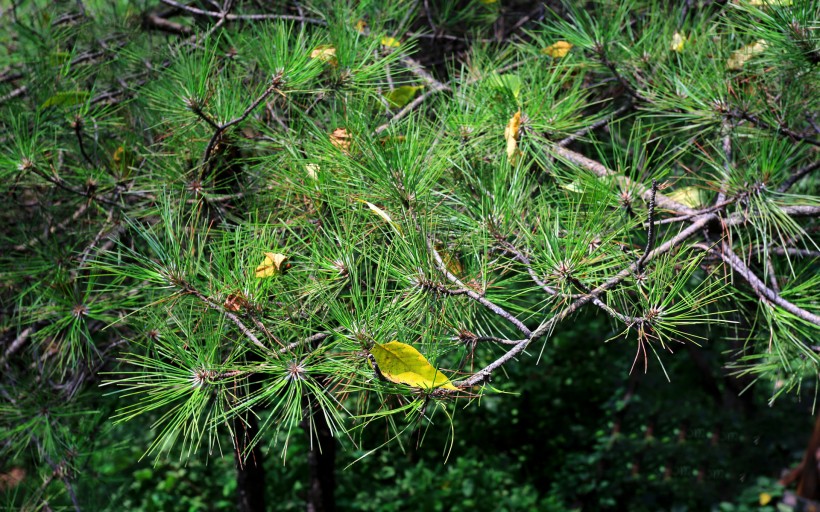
x: 403, y: 364
x: 765, y: 499
x: 341, y: 139
x: 325, y: 53
x: 557, y: 50
x: 740, y: 57
x: 401, y: 96
x: 392, y: 42
x: 381, y: 213
x: 678, y: 40
x: 270, y: 265
x: 488, y: 2
x: 689, y: 196
x: 312, y: 171
x: 360, y: 26
x: 573, y: 186
x: 511, y: 132
x: 775, y: 3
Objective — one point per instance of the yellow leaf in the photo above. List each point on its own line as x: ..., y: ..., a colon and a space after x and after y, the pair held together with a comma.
x: 270, y: 265
x: 689, y: 196
x: 381, y: 213
x: 403, y: 364
x: 678, y: 40
x: 573, y: 186
x: 488, y: 2
x: 341, y: 139
x: 740, y: 57
x: 557, y: 50
x: 392, y: 42
x: 325, y: 53
x: 511, y: 134
x: 312, y: 171
x: 766, y: 3
x: 765, y: 499
x: 401, y: 96
x: 360, y: 26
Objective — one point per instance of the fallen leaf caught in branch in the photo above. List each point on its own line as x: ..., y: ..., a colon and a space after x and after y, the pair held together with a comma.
x: 341, y: 139
x: 270, y: 265
x: 325, y: 53
x: 557, y: 50
x: 403, y: 364
x: 401, y: 96
x: 511, y: 132
x: 739, y: 58
x: 678, y: 41
x: 383, y: 214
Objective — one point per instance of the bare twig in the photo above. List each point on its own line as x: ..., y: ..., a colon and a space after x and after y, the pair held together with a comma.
x: 798, y: 175
x: 650, y: 229
x: 779, y: 128
x: 759, y: 287
x: 463, y: 289
x: 594, y: 126
x: 244, y: 17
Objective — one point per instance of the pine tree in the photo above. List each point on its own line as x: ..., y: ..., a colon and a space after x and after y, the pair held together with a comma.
x: 224, y: 216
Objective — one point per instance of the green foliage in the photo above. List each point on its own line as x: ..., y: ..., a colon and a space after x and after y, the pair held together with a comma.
x: 152, y: 158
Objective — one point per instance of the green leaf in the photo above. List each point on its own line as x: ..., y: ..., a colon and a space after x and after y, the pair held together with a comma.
x: 511, y: 83
x: 401, y: 96
x: 65, y: 99
x: 403, y: 364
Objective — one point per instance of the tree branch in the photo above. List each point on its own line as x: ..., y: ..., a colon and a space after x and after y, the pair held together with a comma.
x: 759, y: 287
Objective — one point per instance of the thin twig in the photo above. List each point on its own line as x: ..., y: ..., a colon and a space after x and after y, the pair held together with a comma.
x: 442, y: 267
x: 798, y: 175
x: 759, y: 287
x: 547, y: 326
x: 779, y: 128
x: 650, y: 229
x: 244, y: 17
x: 594, y: 126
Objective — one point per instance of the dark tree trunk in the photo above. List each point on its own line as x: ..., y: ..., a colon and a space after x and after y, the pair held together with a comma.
x: 250, y: 468
x: 321, y: 462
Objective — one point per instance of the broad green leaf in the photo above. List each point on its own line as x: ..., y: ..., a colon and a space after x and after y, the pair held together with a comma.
x: 509, y: 82
x: 401, y: 96
x: 403, y: 364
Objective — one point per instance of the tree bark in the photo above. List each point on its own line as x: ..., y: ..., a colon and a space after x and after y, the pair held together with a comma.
x: 250, y: 468
x: 321, y: 462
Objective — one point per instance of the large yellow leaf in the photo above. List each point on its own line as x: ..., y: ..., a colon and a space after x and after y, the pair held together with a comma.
x: 403, y: 364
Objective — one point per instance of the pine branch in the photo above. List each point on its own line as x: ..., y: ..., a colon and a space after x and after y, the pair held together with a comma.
x: 475, y: 296
x: 759, y: 287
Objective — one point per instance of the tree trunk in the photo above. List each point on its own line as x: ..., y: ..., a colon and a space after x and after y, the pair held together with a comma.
x: 321, y: 462
x: 250, y: 469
